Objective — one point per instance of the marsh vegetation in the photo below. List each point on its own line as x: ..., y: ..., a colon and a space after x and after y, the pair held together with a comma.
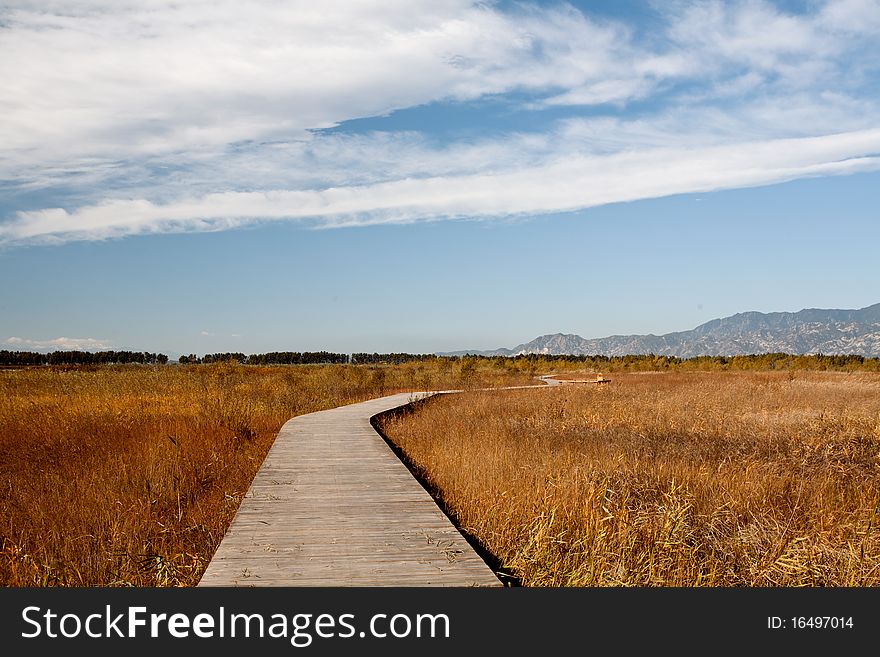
x: 130, y: 475
x: 663, y: 479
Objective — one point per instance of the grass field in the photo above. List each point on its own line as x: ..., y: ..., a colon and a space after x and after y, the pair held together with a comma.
x: 131, y: 475
x: 660, y: 479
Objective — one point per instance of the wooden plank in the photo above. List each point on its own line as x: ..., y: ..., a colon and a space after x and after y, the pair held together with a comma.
x: 333, y: 506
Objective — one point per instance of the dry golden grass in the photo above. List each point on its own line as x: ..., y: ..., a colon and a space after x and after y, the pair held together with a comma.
x: 656, y: 479
x: 131, y: 475
x: 580, y: 376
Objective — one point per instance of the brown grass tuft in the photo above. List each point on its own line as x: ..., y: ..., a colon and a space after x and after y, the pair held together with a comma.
x: 131, y: 475
x: 672, y: 479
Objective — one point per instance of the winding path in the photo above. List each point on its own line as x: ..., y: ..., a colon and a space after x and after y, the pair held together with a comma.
x: 332, y: 505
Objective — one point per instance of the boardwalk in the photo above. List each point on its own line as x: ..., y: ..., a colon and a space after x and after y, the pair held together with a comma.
x: 333, y: 506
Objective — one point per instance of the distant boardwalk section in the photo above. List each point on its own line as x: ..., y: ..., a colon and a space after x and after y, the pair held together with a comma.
x: 332, y: 505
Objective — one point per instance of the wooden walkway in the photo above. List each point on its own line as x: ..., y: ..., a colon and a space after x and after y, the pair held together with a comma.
x: 332, y: 505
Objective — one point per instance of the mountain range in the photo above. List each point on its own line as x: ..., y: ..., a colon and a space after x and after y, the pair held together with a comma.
x: 809, y: 331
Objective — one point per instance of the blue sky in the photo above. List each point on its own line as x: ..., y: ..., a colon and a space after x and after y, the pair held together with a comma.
x: 422, y: 176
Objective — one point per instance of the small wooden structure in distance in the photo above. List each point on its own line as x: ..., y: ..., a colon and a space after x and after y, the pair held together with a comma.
x: 599, y: 379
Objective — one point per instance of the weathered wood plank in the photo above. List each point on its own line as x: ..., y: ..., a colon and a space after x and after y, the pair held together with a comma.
x: 333, y: 506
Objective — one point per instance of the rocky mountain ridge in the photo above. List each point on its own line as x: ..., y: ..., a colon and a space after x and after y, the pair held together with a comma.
x: 809, y: 331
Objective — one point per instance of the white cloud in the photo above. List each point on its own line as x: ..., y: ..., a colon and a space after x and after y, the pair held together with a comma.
x: 604, y: 91
x: 97, y: 81
x: 752, y: 32
x: 199, y: 116
x: 556, y: 186
x: 65, y: 344
x: 853, y: 16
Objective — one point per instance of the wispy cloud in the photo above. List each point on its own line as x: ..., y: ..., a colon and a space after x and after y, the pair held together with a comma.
x: 94, y: 81
x: 557, y: 186
x: 66, y: 344
x: 201, y: 116
x: 212, y: 334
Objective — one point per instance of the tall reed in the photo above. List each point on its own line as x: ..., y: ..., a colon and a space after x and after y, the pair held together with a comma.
x: 131, y: 475
x: 664, y: 479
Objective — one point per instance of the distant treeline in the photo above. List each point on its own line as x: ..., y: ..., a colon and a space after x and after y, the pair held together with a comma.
x: 23, y: 358
x: 307, y: 358
x: 647, y: 363
x: 653, y: 362
x: 271, y: 358
x: 392, y: 359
